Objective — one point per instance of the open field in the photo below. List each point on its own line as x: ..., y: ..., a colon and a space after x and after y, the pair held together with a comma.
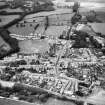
x: 7, y: 19
x: 12, y: 10
x: 2, y: 3
x: 57, y: 22
x: 32, y: 46
x: 98, y: 1
x: 58, y: 11
x: 100, y: 14
x: 98, y: 27
x: 52, y: 30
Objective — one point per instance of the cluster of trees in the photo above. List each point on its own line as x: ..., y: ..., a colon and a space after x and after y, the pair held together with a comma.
x: 91, y: 16
x: 7, y: 42
x: 17, y: 63
x: 80, y: 38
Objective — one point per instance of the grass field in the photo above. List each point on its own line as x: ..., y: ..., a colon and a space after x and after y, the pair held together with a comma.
x: 12, y: 10
x: 57, y: 24
x: 51, y: 31
x: 99, y: 27
x: 51, y: 101
x: 54, y: 20
x: 33, y: 46
x: 98, y: 1
x: 2, y: 3
x: 7, y: 19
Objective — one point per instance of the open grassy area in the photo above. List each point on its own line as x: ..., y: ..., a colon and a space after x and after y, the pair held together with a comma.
x: 58, y: 11
x: 12, y: 10
x: 2, y: 3
x: 101, y: 16
x: 33, y: 20
x: 52, y: 30
x: 55, y: 30
x: 32, y: 46
x: 99, y: 27
x: 57, y: 24
x: 7, y: 19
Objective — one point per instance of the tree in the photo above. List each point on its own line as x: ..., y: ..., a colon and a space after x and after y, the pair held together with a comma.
x: 76, y: 18
x: 91, y: 16
x: 10, y: 44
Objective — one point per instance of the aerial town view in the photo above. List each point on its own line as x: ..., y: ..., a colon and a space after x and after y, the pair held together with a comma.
x: 52, y: 52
